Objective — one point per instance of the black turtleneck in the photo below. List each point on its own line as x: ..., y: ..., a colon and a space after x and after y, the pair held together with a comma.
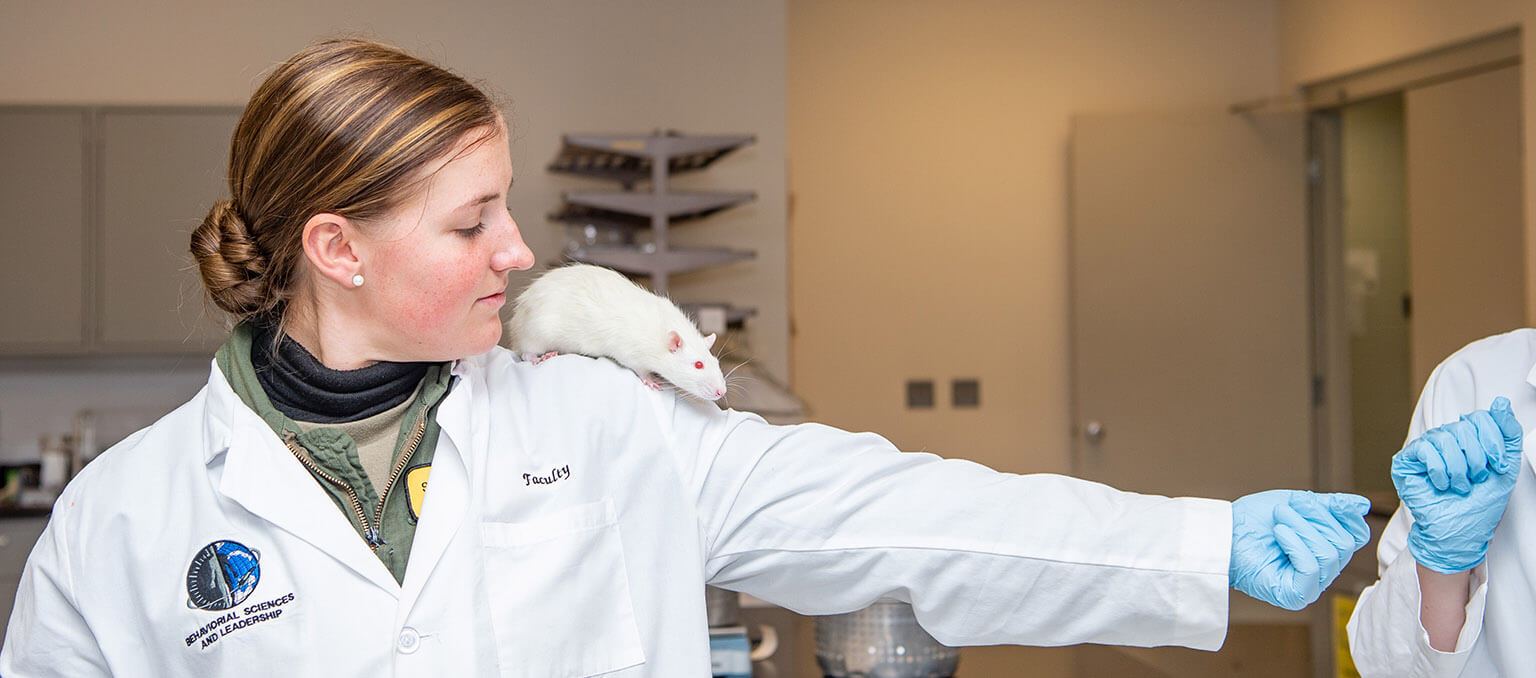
x: 305, y: 390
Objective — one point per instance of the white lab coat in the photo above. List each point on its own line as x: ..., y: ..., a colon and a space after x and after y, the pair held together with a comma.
x: 599, y: 568
x: 1385, y: 635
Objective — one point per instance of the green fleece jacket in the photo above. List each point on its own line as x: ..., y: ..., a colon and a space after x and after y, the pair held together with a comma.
x: 387, y: 523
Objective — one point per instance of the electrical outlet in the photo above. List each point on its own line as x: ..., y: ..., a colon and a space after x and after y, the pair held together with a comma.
x: 920, y: 394
x: 965, y: 393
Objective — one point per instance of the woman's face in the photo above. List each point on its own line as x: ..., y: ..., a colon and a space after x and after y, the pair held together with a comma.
x: 435, y: 268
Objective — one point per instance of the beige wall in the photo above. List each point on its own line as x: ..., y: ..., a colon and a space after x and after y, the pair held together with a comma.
x: 928, y: 171
x: 577, y: 66
x: 1322, y: 38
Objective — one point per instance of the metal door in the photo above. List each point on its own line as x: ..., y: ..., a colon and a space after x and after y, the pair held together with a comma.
x: 1189, y: 301
x: 1465, y: 214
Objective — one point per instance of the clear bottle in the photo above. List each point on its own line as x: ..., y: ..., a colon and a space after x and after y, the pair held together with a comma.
x: 54, y: 451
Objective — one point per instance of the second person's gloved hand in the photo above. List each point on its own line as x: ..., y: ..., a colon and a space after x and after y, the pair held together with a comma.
x: 1455, y: 480
x: 1289, y: 545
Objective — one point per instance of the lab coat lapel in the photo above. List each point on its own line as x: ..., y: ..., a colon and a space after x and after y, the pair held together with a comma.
x: 447, y: 488
x: 261, y: 475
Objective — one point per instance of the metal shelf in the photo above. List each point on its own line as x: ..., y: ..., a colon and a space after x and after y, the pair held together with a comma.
x: 676, y: 205
x: 639, y: 261
x: 579, y: 215
x: 735, y: 316
x: 583, y: 215
x: 629, y: 158
x: 606, y: 221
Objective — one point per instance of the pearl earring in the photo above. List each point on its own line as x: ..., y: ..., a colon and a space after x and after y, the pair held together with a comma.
x: 357, y: 280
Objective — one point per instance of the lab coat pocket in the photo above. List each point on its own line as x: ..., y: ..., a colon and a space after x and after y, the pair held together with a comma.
x: 559, y: 594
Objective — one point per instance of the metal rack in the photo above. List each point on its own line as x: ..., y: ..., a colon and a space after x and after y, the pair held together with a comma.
x: 627, y: 230
x: 608, y: 222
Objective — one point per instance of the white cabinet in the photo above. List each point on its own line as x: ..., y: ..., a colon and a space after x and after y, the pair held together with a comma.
x: 97, y: 205
x: 43, y: 201
x: 161, y: 169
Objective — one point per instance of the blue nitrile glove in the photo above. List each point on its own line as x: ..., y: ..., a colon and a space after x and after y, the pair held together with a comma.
x: 1455, y: 480
x: 1288, y: 545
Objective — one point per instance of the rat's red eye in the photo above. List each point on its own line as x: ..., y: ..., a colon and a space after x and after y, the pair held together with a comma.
x: 698, y: 365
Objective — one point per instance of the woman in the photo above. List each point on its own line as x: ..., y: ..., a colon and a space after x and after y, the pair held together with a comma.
x: 367, y: 485
x: 1455, y: 596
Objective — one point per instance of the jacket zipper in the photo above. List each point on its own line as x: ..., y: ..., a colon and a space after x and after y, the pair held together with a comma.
x: 405, y: 457
x: 370, y: 534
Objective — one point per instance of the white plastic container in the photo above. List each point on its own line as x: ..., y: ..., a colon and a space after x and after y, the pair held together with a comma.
x: 54, y: 452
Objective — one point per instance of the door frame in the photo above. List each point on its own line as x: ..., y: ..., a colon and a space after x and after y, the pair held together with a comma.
x: 1332, y: 456
x: 1332, y: 453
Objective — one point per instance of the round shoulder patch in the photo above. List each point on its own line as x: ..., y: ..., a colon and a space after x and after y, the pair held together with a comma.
x: 222, y: 575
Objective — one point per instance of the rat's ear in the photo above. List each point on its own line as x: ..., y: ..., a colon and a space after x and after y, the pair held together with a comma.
x: 674, y: 341
x: 709, y: 341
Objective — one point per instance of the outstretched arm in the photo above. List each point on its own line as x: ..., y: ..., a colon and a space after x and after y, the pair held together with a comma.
x: 823, y: 521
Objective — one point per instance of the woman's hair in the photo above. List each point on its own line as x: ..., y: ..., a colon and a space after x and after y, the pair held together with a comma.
x: 342, y: 127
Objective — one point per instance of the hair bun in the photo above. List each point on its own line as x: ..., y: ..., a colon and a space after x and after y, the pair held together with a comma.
x: 231, y: 264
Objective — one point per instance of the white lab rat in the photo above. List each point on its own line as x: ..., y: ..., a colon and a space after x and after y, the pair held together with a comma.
x: 597, y: 312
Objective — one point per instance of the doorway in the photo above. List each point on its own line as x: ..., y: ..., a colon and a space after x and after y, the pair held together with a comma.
x: 1199, y: 363
x: 1418, y: 240
x: 1417, y: 249
x: 1378, y: 300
